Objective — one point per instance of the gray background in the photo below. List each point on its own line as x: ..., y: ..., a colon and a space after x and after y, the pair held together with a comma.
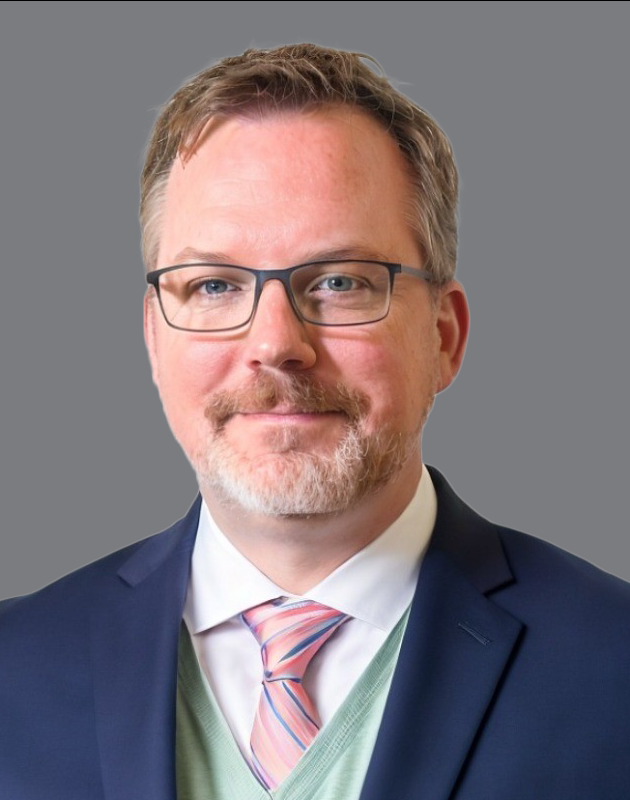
x: 534, y: 97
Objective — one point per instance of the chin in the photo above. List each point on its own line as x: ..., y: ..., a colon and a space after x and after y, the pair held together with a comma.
x: 289, y: 483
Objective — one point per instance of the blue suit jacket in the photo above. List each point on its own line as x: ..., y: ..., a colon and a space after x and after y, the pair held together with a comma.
x: 512, y: 681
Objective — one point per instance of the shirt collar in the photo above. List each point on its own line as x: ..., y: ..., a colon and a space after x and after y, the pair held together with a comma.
x: 376, y: 585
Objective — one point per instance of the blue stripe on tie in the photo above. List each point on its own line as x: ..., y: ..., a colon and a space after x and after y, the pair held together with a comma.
x: 286, y: 630
x: 281, y: 721
x: 290, y: 606
x: 299, y: 705
x: 310, y: 639
x: 259, y: 771
x: 282, y: 632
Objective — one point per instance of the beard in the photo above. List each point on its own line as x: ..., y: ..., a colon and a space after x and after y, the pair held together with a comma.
x: 288, y: 481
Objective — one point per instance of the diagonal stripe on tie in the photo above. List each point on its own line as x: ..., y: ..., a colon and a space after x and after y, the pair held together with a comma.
x: 289, y: 633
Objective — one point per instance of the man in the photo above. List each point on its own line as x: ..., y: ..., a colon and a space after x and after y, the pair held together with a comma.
x: 329, y: 620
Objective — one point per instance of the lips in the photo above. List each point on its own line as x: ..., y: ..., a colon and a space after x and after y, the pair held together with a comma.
x: 288, y: 411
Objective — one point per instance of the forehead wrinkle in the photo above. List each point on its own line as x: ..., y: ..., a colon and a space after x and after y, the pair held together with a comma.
x: 313, y: 158
x: 236, y: 200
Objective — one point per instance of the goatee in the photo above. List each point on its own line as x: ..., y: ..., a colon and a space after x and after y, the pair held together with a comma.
x: 289, y: 482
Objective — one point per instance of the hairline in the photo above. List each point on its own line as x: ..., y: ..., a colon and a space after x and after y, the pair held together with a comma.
x: 201, y: 134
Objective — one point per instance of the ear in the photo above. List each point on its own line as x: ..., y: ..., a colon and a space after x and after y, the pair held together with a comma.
x: 453, y: 322
x: 150, y: 333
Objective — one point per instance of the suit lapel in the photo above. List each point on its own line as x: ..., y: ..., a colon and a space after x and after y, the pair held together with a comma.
x: 134, y: 641
x: 454, y: 653
x: 455, y: 650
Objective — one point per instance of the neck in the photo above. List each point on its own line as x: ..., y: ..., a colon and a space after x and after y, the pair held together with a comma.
x: 297, y: 553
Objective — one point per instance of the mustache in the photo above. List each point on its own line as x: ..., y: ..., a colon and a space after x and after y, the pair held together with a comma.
x: 301, y: 392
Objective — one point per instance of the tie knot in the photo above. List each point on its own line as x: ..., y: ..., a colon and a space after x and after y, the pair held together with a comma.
x: 289, y: 633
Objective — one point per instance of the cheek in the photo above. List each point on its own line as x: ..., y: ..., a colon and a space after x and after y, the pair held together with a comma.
x: 378, y: 373
x: 189, y: 372
x: 399, y: 377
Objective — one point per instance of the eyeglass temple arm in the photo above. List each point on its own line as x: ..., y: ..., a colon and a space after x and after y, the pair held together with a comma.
x: 420, y: 273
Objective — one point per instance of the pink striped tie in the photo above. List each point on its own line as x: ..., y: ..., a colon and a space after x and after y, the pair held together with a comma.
x: 289, y: 633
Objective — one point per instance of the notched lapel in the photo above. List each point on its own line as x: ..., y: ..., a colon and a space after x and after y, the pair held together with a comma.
x: 456, y: 648
x: 134, y: 641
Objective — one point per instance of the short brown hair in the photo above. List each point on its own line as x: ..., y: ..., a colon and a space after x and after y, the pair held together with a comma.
x: 300, y: 77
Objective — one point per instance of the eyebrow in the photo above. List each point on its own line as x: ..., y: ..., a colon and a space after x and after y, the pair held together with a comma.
x: 360, y: 252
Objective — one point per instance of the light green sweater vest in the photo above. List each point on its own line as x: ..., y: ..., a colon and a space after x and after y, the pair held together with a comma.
x: 210, y: 765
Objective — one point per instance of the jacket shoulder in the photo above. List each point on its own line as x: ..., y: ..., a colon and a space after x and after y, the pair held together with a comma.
x: 575, y: 616
x: 546, y: 567
x: 70, y: 598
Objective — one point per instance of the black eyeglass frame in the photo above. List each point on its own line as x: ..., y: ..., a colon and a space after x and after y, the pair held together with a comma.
x: 284, y: 276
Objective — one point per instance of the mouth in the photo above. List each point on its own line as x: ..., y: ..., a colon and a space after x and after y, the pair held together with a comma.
x: 298, y: 400
x: 288, y: 415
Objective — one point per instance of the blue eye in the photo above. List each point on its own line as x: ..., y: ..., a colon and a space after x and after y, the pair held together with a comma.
x: 216, y: 286
x: 338, y: 283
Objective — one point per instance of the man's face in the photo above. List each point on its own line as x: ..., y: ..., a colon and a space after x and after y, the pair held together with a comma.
x: 282, y: 416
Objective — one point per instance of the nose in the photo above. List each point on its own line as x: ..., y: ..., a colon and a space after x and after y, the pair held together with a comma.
x: 277, y: 338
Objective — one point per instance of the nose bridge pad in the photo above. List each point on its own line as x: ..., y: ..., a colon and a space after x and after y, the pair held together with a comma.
x: 282, y: 344
x: 285, y: 283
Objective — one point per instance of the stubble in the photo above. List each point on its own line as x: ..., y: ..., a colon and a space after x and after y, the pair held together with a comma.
x: 293, y: 482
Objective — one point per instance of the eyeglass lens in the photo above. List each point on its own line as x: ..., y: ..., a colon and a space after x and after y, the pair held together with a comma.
x: 208, y: 297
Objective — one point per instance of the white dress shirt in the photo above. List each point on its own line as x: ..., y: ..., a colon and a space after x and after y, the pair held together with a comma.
x: 374, y: 587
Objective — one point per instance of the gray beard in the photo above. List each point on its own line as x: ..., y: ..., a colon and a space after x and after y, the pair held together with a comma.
x: 290, y: 483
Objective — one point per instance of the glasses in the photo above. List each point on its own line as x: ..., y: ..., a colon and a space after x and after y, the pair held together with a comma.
x: 208, y: 298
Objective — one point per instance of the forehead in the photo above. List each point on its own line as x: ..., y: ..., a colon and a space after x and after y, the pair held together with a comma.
x: 313, y: 180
